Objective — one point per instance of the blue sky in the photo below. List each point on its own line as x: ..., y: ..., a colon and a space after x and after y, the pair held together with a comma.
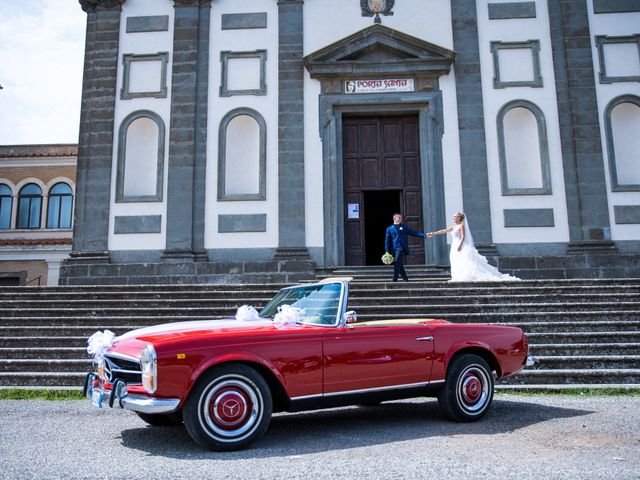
x: 41, y: 56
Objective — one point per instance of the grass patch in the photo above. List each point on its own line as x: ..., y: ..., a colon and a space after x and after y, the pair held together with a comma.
x: 37, y: 394
x: 55, y: 394
x: 574, y: 392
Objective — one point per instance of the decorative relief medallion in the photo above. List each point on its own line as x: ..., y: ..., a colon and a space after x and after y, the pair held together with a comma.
x: 376, y: 7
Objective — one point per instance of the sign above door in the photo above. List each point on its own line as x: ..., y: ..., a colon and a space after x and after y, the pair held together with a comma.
x: 379, y: 86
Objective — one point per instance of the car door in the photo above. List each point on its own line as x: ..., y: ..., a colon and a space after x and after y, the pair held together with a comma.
x: 363, y: 357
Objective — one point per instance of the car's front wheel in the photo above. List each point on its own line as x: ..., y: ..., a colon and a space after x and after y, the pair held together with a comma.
x: 229, y: 407
x: 468, y: 390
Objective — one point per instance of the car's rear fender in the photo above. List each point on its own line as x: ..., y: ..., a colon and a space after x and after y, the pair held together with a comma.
x: 477, y: 348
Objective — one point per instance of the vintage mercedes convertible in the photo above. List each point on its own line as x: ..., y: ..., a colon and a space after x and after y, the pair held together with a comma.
x: 304, y: 350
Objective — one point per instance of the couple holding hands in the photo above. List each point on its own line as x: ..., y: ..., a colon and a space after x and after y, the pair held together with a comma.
x: 467, y: 265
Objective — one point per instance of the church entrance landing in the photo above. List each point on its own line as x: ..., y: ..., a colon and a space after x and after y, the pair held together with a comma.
x: 381, y: 160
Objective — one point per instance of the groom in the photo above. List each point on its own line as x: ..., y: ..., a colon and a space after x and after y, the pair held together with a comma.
x: 396, y: 241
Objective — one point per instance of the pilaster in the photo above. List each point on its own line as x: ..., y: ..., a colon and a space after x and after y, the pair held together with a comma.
x: 95, y: 143
x: 187, y: 134
x: 291, y: 211
x: 585, y: 185
x: 471, y: 130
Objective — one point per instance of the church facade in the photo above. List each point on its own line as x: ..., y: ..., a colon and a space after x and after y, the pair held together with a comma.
x: 263, y: 138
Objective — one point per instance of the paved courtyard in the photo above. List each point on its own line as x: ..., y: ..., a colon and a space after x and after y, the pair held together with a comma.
x: 522, y: 437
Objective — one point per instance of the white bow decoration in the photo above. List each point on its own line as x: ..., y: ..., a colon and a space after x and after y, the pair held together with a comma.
x: 247, y: 313
x: 99, y: 343
x: 288, y: 315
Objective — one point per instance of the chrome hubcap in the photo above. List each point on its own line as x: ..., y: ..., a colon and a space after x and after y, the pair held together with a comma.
x: 232, y: 408
x: 472, y: 389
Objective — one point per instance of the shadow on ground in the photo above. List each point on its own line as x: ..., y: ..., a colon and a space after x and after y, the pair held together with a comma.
x: 351, y: 427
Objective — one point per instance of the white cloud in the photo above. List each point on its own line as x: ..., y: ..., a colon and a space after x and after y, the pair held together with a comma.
x: 41, y: 62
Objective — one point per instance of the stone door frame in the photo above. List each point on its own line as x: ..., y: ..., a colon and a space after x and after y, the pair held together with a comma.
x: 428, y: 106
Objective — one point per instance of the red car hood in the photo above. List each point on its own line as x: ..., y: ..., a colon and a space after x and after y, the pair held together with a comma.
x: 132, y: 342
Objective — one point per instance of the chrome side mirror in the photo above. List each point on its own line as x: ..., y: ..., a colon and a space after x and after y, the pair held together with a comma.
x: 349, y: 317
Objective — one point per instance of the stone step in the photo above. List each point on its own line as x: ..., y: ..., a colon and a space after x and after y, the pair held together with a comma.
x: 462, y: 307
x: 52, y: 353
x: 75, y: 365
x: 574, y: 326
x: 42, y: 379
x: 585, y: 337
x: 626, y: 310
x: 427, y: 297
x: 614, y: 348
x: 62, y: 331
x: 545, y: 362
x: 502, y: 317
x: 43, y: 341
x: 575, y: 376
x: 494, y: 287
x: 89, y: 326
x: 62, y: 304
x: 100, y: 321
x: 556, y: 338
x: 391, y: 300
x: 123, y: 294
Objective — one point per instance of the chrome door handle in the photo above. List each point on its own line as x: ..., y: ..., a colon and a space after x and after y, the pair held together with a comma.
x: 424, y: 339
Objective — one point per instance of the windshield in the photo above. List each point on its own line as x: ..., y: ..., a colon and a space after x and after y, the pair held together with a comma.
x: 318, y: 304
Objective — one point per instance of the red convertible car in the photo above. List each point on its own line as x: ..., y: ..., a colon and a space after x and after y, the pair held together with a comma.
x: 305, y: 350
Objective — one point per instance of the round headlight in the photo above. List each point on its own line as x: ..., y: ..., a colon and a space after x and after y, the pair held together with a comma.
x: 149, y: 366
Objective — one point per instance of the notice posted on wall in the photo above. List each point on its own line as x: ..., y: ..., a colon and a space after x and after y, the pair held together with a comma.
x: 353, y: 210
x: 379, y: 86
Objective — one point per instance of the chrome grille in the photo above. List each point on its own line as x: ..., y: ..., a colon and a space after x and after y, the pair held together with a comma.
x: 128, y: 370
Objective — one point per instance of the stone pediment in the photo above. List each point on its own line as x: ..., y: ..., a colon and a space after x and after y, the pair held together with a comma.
x: 379, y: 50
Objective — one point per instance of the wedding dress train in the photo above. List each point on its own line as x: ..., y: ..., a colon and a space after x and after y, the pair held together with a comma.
x: 467, y: 265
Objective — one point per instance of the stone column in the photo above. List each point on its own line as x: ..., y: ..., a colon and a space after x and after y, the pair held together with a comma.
x: 202, y: 111
x: 291, y: 211
x: 187, y: 134
x: 585, y: 185
x: 95, y: 143
x: 473, y: 153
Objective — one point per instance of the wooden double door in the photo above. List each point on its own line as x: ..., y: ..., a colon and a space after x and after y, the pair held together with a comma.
x: 381, y: 158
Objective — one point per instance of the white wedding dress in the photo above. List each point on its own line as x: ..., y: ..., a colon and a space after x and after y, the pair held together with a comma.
x: 467, y: 265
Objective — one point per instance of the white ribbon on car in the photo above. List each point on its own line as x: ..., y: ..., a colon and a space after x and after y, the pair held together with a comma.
x: 288, y: 315
x: 99, y: 343
x: 247, y: 313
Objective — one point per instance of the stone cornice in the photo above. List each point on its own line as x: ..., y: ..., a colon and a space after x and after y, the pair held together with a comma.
x: 191, y: 3
x: 91, y: 5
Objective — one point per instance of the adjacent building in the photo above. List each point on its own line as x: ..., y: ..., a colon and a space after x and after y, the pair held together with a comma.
x: 264, y: 137
x: 37, y: 190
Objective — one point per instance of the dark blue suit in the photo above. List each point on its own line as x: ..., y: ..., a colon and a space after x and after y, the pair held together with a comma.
x: 396, y: 241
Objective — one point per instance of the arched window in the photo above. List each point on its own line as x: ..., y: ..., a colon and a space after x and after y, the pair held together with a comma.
x: 6, y: 202
x: 29, y: 206
x: 60, y: 206
x: 140, y: 158
x: 622, y: 124
x: 242, y: 156
x: 523, y: 150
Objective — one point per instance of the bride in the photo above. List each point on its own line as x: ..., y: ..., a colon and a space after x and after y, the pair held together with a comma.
x: 467, y: 265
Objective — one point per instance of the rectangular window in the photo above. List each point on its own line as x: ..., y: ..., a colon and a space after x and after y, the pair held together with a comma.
x: 5, y: 213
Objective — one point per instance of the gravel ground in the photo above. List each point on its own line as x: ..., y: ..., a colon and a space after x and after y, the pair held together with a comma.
x: 523, y: 437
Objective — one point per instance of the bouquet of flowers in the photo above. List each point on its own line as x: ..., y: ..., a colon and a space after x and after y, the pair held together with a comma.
x: 387, y: 258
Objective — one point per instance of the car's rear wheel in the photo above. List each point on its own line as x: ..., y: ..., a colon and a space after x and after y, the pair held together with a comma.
x: 468, y: 390
x: 161, y: 419
x: 229, y: 407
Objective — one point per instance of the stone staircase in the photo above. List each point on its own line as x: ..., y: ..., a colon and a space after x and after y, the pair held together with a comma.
x: 583, y: 332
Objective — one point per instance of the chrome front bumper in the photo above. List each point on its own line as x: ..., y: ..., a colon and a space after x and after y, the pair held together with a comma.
x: 118, y: 395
